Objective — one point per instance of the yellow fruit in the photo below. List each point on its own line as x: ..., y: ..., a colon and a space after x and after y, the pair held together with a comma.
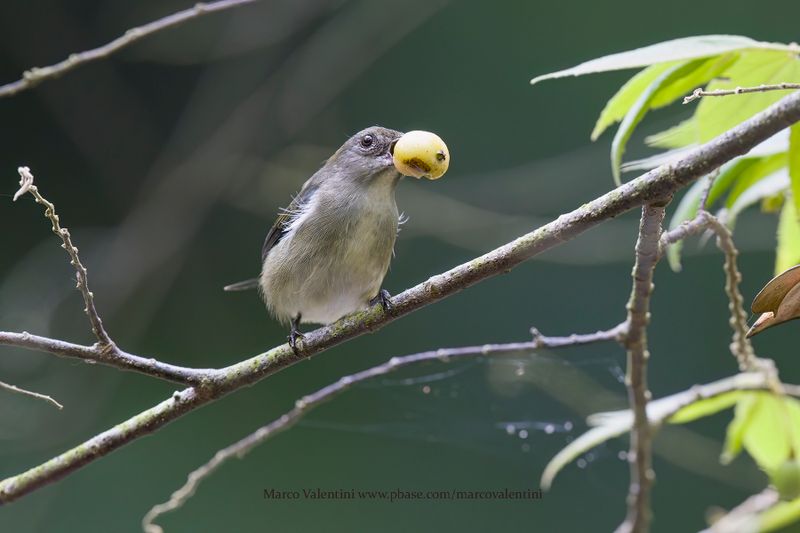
x: 421, y: 154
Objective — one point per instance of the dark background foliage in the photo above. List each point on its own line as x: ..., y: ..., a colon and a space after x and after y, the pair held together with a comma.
x: 168, y: 162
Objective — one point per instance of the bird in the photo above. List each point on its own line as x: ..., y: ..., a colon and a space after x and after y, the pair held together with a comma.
x: 327, y: 253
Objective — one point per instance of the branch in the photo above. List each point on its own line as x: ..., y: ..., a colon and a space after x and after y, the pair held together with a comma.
x: 654, y: 186
x: 106, y: 351
x: 110, y: 356
x: 741, y: 347
x: 699, y: 92
x: 13, y: 388
x: 703, y: 204
x: 640, y: 455
x: 304, y: 405
x: 26, y: 186
x: 617, y: 333
x: 36, y: 75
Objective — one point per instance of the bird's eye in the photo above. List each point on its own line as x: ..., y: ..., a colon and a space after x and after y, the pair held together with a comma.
x: 367, y: 141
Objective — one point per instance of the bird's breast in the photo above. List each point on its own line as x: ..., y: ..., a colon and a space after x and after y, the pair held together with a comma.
x: 333, y: 258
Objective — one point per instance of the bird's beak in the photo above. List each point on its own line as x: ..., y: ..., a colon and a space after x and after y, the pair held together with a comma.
x: 390, y: 153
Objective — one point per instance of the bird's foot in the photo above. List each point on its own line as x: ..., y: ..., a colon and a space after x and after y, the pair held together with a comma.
x: 385, y: 300
x: 295, y: 334
x: 293, y: 337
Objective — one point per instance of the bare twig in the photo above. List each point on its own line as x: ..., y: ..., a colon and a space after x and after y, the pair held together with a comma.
x: 741, y: 346
x: 304, y: 405
x: 617, y: 333
x: 699, y: 92
x: 14, y: 388
x: 703, y: 204
x: 26, y: 185
x: 654, y: 186
x: 105, y: 351
x: 110, y: 356
x: 640, y: 454
x: 685, y: 230
x: 34, y: 76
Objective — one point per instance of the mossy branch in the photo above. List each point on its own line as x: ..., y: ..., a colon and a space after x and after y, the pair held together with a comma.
x: 656, y: 186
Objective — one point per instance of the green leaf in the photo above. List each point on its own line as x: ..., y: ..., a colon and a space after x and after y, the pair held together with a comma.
x: 765, y: 187
x: 690, y: 202
x: 794, y: 164
x: 656, y: 160
x: 765, y: 436
x: 786, y: 478
x: 583, y: 443
x: 674, y: 50
x: 626, y: 97
x: 683, y: 134
x: 750, y: 172
x: 637, y: 112
x: 757, y: 178
x: 681, y: 407
x: 706, y: 407
x: 743, y: 415
x: 779, y: 516
x: 704, y: 71
x: 772, y: 430
x: 776, y: 144
x: 618, y: 106
x: 686, y: 210
x: 788, y: 251
x: 716, y: 115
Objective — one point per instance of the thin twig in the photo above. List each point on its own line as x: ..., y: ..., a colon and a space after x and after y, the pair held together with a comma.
x: 686, y: 229
x: 304, y: 405
x: 656, y: 185
x: 617, y: 333
x: 105, y: 351
x: 26, y: 185
x: 740, y: 346
x: 14, y: 388
x: 710, y: 179
x: 700, y: 93
x: 113, y: 356
x: 640, y: 455
x: 34, y: 76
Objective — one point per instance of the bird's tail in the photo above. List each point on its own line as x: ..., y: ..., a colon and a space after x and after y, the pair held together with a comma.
x: 245, y: 285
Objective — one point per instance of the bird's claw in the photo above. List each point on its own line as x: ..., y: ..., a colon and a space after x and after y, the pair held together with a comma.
x: 294, y: 335
x: 385, y: 299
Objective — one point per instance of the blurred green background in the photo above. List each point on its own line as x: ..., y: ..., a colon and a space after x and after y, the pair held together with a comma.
x: 169, y: 161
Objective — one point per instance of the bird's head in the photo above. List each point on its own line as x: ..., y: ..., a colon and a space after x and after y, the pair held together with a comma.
x: 367, y: 154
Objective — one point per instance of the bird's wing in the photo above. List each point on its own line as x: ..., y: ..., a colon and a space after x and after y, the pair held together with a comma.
x: 280, y: 227
x: 278, y: 230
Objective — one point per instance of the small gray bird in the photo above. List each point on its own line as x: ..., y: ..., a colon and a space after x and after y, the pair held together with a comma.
x: 327, y: 253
